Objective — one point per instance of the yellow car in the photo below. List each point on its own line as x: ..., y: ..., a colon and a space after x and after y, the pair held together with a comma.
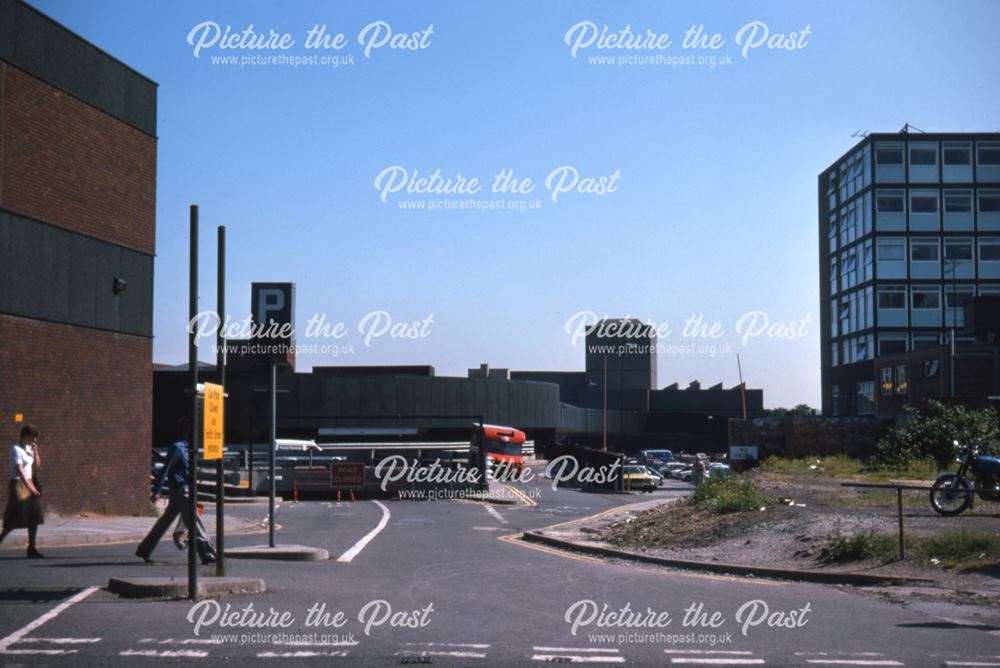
x: 639, y: 479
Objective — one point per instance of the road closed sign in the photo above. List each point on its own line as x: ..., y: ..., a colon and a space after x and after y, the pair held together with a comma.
x: 213, y: 421
x: 344, y: 474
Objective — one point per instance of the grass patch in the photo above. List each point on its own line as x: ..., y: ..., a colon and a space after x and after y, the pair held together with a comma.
x: 736, y: 494
x: 952, y: 549
x: 956, y: 549
x: 862, y: 546
x: 842, y: 466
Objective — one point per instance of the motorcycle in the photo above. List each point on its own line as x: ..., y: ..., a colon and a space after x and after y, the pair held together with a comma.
x: 951, y: 493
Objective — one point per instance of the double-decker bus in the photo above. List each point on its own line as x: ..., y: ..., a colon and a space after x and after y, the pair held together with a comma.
x: 504, y: 446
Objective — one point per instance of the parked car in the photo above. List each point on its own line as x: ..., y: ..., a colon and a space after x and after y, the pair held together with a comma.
x: 656, y: 457
x: 668, y: 469
x: 685, y: 474
x: 656, y: 474
x: 638, y: 478
x: 717, y: 470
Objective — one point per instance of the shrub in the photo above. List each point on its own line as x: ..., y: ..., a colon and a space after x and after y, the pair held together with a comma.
x: 931, y: 430
x: 865, y: 545
x: 736, y: 494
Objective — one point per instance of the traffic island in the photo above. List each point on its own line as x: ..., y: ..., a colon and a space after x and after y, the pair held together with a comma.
x: 177, y: 588
x: 278, y: 553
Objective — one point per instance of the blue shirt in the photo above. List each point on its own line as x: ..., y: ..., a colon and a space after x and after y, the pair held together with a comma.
x: 175, y: 471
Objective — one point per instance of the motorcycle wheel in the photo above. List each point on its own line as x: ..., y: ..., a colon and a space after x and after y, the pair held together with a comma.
x: 951, y: 494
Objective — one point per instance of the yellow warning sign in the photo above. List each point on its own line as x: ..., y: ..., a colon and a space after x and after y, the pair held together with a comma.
x: 213, y: 421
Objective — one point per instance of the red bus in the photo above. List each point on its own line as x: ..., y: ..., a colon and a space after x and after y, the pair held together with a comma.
x: 505, y: 446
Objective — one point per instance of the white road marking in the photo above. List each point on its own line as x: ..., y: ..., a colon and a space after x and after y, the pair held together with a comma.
x: 47, y: 652
x: 969, y: 663
x: 346, y: 557
x: 166, y: 653
x: 440, y: 652
x: 299, y: 655
x: 715, y: 661
x: 839, y: 654
x: 706, y: 651
x: 854, y: 662
x: 448, y: 644
x: 496, y: 515
x: 575, y: 658
x: 51, y: 614
x: 577, y: 655
x: 59, y: 641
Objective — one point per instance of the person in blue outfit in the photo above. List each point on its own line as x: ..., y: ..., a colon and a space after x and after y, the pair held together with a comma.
x: 174, y: 476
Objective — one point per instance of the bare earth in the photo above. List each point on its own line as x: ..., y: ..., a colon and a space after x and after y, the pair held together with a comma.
x: 791, y: 532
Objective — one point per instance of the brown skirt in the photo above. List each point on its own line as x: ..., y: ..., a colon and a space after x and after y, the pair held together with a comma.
x: 23, y: 510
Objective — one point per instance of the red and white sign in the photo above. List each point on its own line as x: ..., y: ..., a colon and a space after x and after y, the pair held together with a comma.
x: 347, y: 475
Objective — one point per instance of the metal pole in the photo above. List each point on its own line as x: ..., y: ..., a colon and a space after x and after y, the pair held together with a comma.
x: 605, y: 403
x: 220, y: 365
x: 192, y: 509
x: 899, y: 506
x: 273, y: 390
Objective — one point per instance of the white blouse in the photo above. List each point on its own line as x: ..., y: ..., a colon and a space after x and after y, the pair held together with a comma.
x: 21, y: 456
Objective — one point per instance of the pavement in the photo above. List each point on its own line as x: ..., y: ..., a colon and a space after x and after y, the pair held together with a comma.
x: 76, y: 531
x: 452, y: 584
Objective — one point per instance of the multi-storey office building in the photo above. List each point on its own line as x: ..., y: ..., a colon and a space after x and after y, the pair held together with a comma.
x: 909, y: 231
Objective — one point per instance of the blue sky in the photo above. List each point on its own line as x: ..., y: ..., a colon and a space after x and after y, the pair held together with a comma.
x: 714, y: 212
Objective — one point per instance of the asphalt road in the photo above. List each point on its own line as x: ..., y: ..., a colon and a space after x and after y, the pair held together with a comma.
x: 443, y: 584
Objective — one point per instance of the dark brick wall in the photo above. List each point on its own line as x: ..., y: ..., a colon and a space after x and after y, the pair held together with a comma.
x: 66, y: 163
x: 89, y: 392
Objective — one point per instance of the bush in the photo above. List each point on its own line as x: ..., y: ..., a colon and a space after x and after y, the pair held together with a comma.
x: 865, y: 545
x: 930, y: 432
x: 736, y: 494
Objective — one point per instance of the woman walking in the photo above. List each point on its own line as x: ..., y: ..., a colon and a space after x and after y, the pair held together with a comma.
x: 24, y: 505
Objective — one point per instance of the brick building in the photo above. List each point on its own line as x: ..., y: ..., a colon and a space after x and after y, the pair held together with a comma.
x: 77, y: 235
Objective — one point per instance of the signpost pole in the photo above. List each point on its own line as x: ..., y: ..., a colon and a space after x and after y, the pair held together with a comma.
x: 273, y: 437
x: 220, y: 365
x: 192, y: 509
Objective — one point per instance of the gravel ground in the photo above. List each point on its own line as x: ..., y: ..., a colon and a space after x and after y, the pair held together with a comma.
x: 792, y: 534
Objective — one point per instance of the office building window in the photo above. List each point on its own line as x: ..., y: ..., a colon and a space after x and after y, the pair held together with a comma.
x: 923, y: 154
x: 958, y: 210
x: 925, y: 261
x: 834, y: 355
x: 926, y: 306
x: 923, y: 162
x: 902, y: 384
x: 889, y: 155
x: 989, y: 290
x: 885, y: 381
x: 866, y: 398
x: 926, y: 297
x: 957, y: 153
x: 924, y: 210
x: 891, y: 343
x: 988, y: 161
x: 835, y: 399
x: 924, y: 341
x: 891, y: 249
x: 890, y: 210
x: 891, y: 301
x: 958, y: 258
x: 889, y: 201
x: 955, y: 297
x: 989, y: 257
x: 924, y: 250
x: 989, y: 210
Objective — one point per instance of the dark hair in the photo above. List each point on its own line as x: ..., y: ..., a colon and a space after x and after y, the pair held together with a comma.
x: 29, y: 431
